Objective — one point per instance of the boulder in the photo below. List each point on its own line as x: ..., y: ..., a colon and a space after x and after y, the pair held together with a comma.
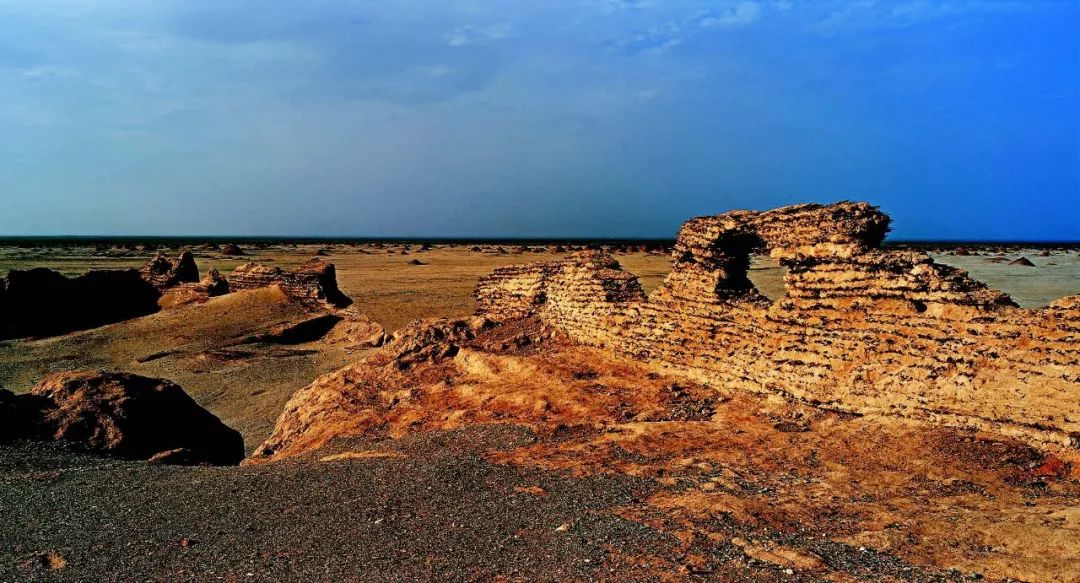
x: 231, y: 249
x: 133, y: 417
x: 1022, y: 261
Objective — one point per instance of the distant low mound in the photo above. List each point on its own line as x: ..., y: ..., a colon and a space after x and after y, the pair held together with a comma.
x: 41, y: 302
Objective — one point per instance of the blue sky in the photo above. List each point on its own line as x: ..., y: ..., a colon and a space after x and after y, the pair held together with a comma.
x: 534, y: 118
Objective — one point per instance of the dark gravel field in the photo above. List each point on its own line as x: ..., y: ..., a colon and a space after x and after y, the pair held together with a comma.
x: 427, y: 507
x: 436, y: 511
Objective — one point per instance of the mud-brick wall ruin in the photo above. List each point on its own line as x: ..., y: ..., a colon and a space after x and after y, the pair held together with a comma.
x: 861, y: 328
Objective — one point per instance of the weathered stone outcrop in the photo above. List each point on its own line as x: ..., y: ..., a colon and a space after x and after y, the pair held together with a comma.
x: 348, y: 327
x: 517, y: 291
x: 421, y: 361
x: 121, y: 415
x: 862, y: 329
x: 41, y: 302
x: 433, y: 339
x: 164, y: 273
x: 314, y: 281
x: 213, y: 284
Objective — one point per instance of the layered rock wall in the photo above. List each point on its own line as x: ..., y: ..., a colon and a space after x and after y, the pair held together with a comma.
x: 861, y: 329
x: 314, y: 281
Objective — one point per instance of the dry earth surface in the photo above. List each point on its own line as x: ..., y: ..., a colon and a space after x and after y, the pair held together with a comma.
x: 515, y: 456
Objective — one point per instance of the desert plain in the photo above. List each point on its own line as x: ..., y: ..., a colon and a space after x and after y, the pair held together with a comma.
x: 418, y: 435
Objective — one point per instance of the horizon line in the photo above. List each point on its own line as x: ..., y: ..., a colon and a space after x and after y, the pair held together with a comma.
x: 482, y: 239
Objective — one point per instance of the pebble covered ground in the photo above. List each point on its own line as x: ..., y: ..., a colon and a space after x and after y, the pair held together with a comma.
x: 436, y: 511
x: 427, y: 507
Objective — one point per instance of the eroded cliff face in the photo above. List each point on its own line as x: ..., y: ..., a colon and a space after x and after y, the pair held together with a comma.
x: 862, y: 329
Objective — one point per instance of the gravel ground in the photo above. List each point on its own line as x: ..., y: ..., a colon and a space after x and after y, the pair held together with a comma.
x: 440, y: 513
x: 427, y: 507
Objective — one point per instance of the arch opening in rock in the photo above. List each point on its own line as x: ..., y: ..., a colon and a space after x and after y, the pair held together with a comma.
x: 767, y: 275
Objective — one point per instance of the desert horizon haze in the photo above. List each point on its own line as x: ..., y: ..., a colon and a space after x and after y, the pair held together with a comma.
x: 590, y: 118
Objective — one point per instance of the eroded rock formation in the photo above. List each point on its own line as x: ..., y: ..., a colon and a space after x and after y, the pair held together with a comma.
x: 164, y: 273
x: 213, y: 284
x: 399, y: 385
x: 42, y: 302
x: 122, y: 415
x: 314, y: 281
x: 356, y: 331
x: 862, y: 329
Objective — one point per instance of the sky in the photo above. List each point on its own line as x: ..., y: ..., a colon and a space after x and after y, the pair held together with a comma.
x: 587, y: 118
